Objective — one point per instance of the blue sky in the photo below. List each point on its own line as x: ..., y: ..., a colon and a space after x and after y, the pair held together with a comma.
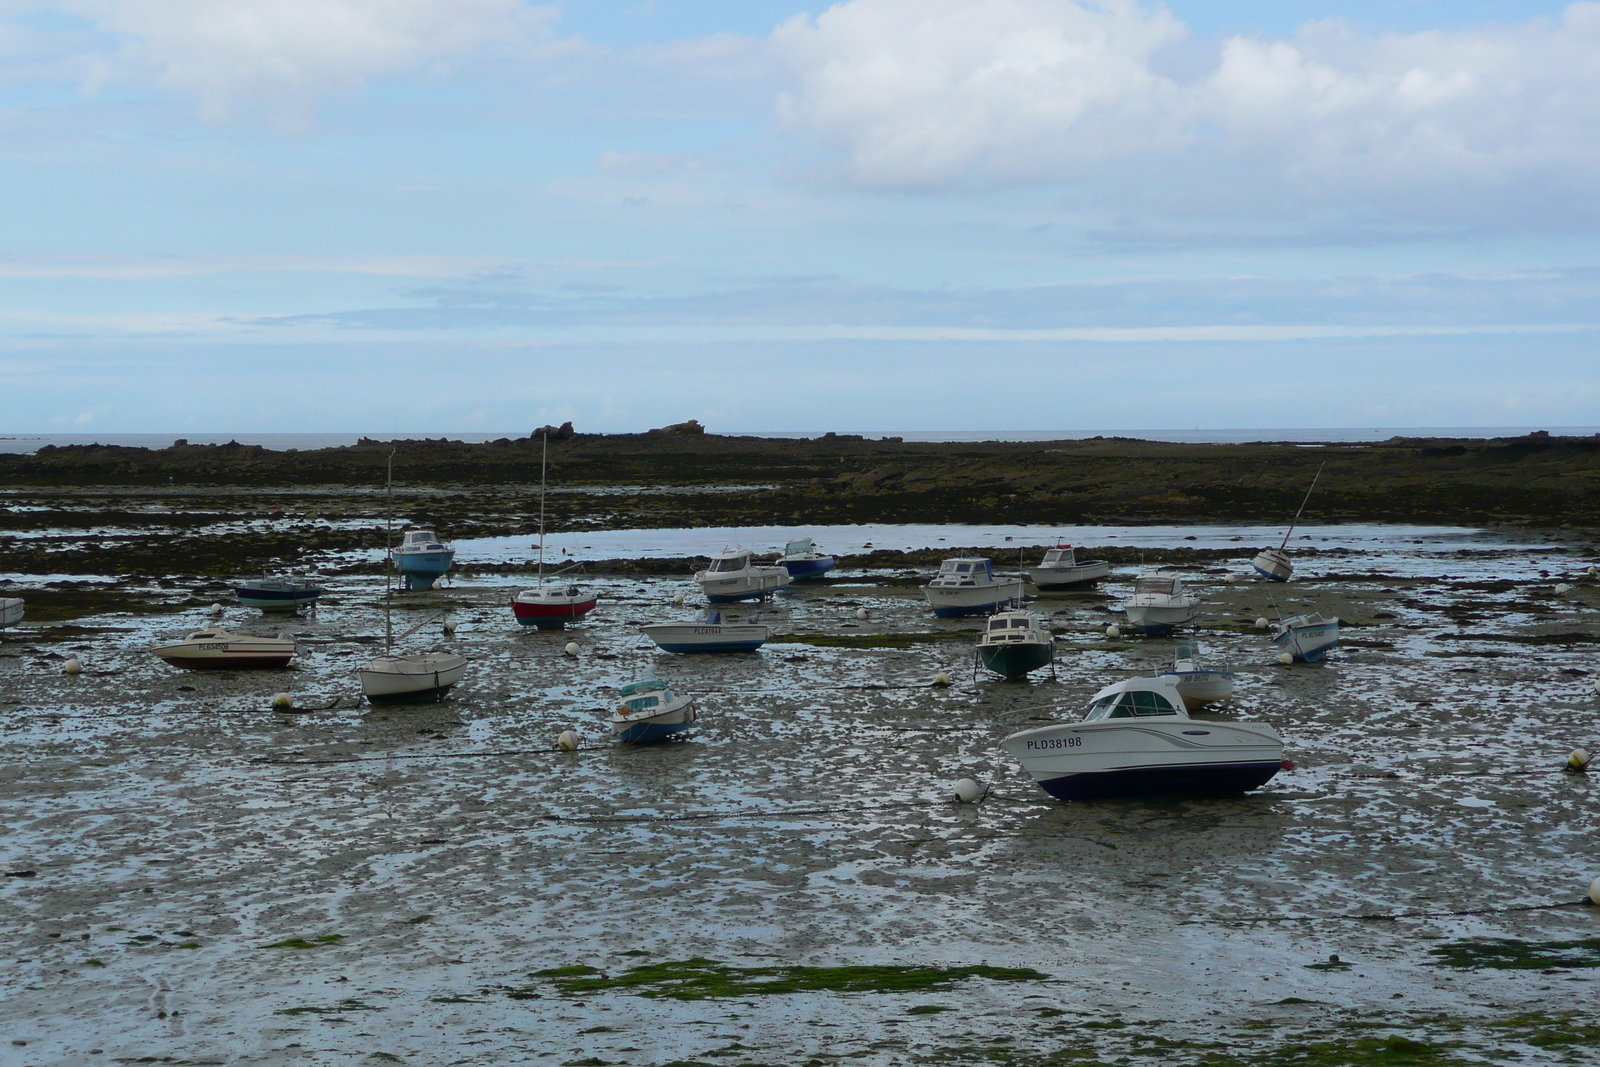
x: 482, y: 215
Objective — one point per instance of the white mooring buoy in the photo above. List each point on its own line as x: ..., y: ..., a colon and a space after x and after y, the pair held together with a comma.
x: 968, y: 791
x: 677, y: 598
x: 1594, y: 892
x: 1562, y: 588
x: 282, y: 702
x: 1578, y: 760
x: 861, y: 613
x: 568, y: 741
x: 1113, y: 631
x: 571, y: 649
x: 1261, y: 622
x: 1286, y: 659
x: 449, y: 627
x: 214, y: 609
x: 941, y: 679
x: 72, y: 666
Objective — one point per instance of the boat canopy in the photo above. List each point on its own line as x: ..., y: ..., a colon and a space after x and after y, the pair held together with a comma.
x: 972, y: 567
x: 803, y: 546
x: 1137, y: 703
x: 1011, y: 622
x: 1164, y: 584
x: 1059, y: 554
x: 419, y: 537
x: 733, y: 559
x: 648, y: 685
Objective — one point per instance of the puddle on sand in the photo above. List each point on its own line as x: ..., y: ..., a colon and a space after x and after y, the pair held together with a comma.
x: 326, y: 885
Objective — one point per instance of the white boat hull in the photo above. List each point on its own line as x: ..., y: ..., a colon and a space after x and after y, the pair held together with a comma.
x: 707, y: 637
x: 953, y: 602
x: 1308, y: 642
x: 420, y: 679
x: 1145, y: 757
x: 1273, y: 565
x: 226, y: 651
x: 1202, y: 687
x: 1047, y: 577
x: 643, y: 728
x: 1160, y: 619
x: 749, y: 584
x: 11, y: 609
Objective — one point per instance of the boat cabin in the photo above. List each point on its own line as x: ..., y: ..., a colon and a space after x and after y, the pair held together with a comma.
x: 644, y: 697
x: 730, y: 561
x: 1158, y: 585
x: 1013, y: 626
x: 421, y: 539
x: 1130, y: 704
x: 805, y: 546
x: 965, y: 572
x: 1060, y: 556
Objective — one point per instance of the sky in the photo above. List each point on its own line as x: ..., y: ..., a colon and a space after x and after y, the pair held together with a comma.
x: 879, y: 215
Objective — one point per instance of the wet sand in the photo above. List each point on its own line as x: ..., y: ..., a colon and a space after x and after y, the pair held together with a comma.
x: 430, y: 862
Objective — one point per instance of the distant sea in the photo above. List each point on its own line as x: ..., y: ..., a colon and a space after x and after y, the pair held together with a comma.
x: 32, y: 442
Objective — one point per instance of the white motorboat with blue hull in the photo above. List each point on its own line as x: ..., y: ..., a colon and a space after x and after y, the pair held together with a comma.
x: 1308, y: 638
x: 969, y: 586
x: 1196, y: 684
x: 649, y: 712
x: 707, y: 634
x: 802, y: 560
x: 422, y: 559
x: 1137, y: 739
x: 733, y: 576
x: 277, y: 594
x: 1159, y: 605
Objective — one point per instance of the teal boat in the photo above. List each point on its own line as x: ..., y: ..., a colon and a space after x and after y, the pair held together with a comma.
x: 1014, y: 644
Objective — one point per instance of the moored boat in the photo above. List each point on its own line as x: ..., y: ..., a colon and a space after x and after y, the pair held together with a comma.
x: 11, y: 611
x: 1274, y: 564
x: 216, y: 649
x: 649, y: 711
x: 1308, y: 638
x: 969, y: 586
x: 1137, y: 739
x: 734, y: 575
x: 423, y: 678
x: 802, y: 560
x: 422, y: 558
x: 277, y: 594
x: 1159, y: 605
x: 550, y: 607
x: 709, y: 633
x: 1196, y: 684
x: 1015, y: 643
x: 1061, y: 569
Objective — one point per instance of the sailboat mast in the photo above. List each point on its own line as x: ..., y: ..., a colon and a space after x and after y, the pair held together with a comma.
x: 388, y: 559
x: 1303, y: 503
x: 544, y: 464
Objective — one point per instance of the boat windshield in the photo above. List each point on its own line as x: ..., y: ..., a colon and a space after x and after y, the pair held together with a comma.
x: 1058, y: 555
x: 798, y: 548
x: 1139, y: 703
x: 642, y: 703
x: 998, y: 624
x: 730, y: 563
x: 1188, y: 652
x: 1165, y: 586
x: 418, y: 537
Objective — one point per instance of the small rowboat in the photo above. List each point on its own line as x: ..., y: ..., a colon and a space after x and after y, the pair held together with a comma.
x: 216, y: 649
x: 419, y: 679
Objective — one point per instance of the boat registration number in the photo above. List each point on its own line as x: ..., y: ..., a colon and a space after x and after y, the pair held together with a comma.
x: 707, y: 631
x: 1073, y: 741
x: 220, y: 647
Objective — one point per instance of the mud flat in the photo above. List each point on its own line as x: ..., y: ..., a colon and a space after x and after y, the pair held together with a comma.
x: 191, y: 876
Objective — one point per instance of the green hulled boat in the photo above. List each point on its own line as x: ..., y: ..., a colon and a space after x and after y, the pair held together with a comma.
x: 1015, y: 643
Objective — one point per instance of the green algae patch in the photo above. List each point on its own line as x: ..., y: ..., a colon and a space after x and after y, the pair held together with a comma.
x: 93, y: 963
x: 302, y: 944
x: 1542, y: 1030
x: 1393, y: 1050
x: 900, y: 641
x: 699, y: 979
x: 348, y: 1004
x: 1508, y: 954
x: 928, y: 1009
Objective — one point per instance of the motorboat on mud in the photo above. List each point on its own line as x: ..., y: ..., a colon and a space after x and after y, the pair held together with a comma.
x: 802, y: 560
x: 649, y: 711
x: 709, y: 633
x: 969, y: 586
x: 1016, y: 643
x: 1062, y: 570
x: 216, y: 649
x: 734, y: 575
x: 1137, y: 739
x: 422, y: 558
x: 1196, y: 684
x: 1159, y: 605
x: 1308, y: 638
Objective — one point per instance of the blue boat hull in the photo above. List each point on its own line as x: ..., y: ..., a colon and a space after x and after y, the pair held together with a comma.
x: 1321, y: 641
x: 646, y: 733
x: 1209, y: 780
x: 809, y: 568
x: 1158, y: 630
x: 421, y: 571
x: 966, y: 610
x: 720, y: 646
x: 1269, y: 576
x: 730, y: 598
x: 276, y: 599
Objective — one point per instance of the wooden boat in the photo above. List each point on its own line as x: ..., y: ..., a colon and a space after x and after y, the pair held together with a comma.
x: 1015, y: 643
x: 216, y: 649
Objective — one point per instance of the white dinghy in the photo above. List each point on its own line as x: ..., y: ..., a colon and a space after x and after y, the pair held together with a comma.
x: 1137, y: 739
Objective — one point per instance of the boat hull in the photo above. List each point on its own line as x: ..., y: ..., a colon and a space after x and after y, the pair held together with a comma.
x: 1016, y: 660
x: 1203, y: 687
x: 1156, y: 621
x: 285, y: 597
x: 958, y: 602
x: 1308, y: 644
x: 1273, y: 565
x: 227, y: 655
x: 419, y: 570
x: 548, y: 615
x: 656, y: 728
x: 1047, y: 578
x: 706, y: 637
x: 1148, y: 757
x: 802, y: 569
x: 751, y: 586
x: 11, y: 611
x: 411, y: 679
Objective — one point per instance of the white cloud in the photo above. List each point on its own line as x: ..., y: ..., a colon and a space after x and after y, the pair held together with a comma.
x: 940, y: 93
x: 281, y: 57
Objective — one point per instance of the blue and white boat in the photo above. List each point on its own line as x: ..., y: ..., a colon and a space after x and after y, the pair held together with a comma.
x: 1196, y: 684
x: 734, y: 575
x: 1308, y: 638
x: 802, y: 560
x: 968, y: 586
x: 709, y: 633
x: 278, y: 594
x: 650, y: 712
x: 422, y: 558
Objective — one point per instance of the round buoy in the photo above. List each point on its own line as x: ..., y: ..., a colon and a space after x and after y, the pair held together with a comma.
x: 215, y: 609
x: 941, y: 679
x: 449, y: 627
x: 1285, y: 659
x: 861, y: 613
x: 1594, y: 892
x: 568, y: 741
x: 1562, y: 588
x: 1578, y: 760
x: 72, y: 666
x: 677, y: 598
x: 1597, y: 685
x: 571, y: 649
x: 968, y: 791
x: 282, y: 702
x: 1113, y: 631
x: 1261, y: 622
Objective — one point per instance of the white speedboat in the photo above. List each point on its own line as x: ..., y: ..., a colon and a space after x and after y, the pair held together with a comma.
x: 649, y: 711
x: 424, y: 678
x: 1062, y: 570
x: 1273, y: 563
x: 802, y: 560
x: 709, y: 633
x: 1137, y: 739
x: 1196, y: 684
x: 734, y: 575
x: 1308, y: 638
x: 1159, y: 605
x: 11, y: 609
x: 216, y: 649
x: 1015, y: 643
x: 969, y: 586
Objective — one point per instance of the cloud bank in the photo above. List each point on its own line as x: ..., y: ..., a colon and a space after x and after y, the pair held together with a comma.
x: 940, y: 94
